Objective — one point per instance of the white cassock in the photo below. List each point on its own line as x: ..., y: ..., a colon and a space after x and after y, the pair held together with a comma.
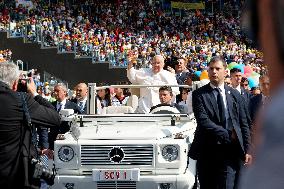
x: 150, y: 96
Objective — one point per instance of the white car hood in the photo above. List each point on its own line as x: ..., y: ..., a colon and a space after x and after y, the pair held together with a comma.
x: 132, y: 130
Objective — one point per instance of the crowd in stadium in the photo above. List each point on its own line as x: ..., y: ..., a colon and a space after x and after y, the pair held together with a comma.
x: 5, y: 55
x: 122, y: 33
x: 114, y: 33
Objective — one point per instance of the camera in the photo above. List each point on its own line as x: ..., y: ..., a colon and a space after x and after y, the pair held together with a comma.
x: 40, y: 172
x: 22, y: 85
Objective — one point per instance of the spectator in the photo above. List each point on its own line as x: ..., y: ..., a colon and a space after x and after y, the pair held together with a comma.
x: 121, y: 96
x: 104, y: 96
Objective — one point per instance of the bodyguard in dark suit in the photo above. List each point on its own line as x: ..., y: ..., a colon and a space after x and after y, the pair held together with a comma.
x: 236, y: 80
x: 81, y: 97
x: 12, y: 129
x: 222, y: 136
x: 246, y: 94
x: 60, y: 91
x: 259, y: 100
x: 67, y: 105
x: 255, y: 103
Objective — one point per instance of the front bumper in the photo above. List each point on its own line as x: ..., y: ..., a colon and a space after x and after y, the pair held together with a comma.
x: 184, y: 181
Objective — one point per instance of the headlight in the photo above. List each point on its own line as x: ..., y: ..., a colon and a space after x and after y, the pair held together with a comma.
x: 65, y: 153
x: 170, y: 153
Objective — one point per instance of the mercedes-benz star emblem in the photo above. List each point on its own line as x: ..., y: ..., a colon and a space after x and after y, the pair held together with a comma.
x: 116, y: 155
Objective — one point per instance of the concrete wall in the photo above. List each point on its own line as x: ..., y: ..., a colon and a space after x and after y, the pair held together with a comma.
x: 63, y: 66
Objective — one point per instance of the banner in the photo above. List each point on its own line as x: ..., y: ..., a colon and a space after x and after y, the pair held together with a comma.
x: 181, y: 5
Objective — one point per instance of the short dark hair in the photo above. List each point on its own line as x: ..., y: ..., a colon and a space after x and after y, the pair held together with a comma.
x: 166, y: 88
x: 216, y: 59
x: 244, y: 79
x: 254, y: 88
x: 235, y: 70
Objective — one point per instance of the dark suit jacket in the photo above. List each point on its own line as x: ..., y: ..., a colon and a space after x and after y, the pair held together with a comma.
x: 247, y: 98
x: 64, y: 126
x: 12, y: 132
x: 85, y: 108
x: 181, y: 78
x: 69, y: 105
x: 209, y: 134
x: 254, y: 106
x: 247, y: 95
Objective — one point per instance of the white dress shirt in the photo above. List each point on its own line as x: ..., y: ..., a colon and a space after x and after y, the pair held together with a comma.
x: 223, y: 93
x: 62, y: 104
x: 238, y: 88
x: 84, y: 101
x: 149, y: 97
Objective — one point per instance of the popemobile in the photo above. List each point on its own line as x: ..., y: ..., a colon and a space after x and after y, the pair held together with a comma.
x: 119, y: 149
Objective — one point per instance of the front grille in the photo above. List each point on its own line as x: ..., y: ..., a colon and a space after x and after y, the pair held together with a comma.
x: 134, y: 154
x: 116, y: 185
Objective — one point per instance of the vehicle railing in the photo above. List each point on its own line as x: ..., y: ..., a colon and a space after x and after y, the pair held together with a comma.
x: 92, y: 107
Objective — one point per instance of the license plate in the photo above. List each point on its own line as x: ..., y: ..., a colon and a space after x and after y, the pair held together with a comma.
x: 116, y: 174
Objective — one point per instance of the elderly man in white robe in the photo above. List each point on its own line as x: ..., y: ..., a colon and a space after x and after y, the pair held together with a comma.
x: 156, y: 75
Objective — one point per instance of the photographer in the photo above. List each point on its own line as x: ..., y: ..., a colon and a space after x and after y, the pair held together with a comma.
x: 15, y: 136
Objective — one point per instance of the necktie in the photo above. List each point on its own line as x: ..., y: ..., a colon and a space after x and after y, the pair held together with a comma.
x: 81, y: 106
x: 59, y: 107
x: 221, y: 107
